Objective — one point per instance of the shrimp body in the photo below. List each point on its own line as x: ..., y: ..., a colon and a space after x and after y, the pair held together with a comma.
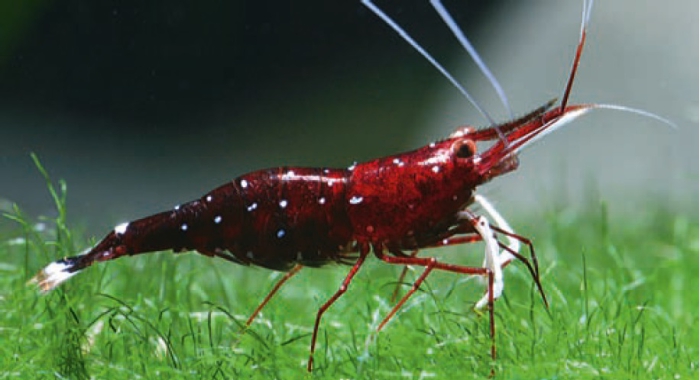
x: 288, y: 218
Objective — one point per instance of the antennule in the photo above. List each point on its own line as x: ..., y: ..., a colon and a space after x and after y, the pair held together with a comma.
x: 406, y: 37
x: 450, y: 22
x: 585, y: 17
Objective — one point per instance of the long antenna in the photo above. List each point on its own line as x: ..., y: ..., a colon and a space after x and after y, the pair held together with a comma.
x: 402, y: 33
x: 450, y: 22
x: 585, y: 17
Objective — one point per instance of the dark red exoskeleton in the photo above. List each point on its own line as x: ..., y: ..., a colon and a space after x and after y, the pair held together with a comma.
x: 289, y: 218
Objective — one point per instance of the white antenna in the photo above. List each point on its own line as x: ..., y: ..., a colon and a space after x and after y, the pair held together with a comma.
x: 426, y: 55
x: 635, y: 111
x: 450, y: 22
x: 587, y: 8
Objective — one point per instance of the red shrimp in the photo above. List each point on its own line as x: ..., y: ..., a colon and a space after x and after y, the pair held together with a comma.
x: 289, y: 218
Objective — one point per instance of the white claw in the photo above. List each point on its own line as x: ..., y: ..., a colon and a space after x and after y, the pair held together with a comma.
x: 491, y: 260
x: 513, y: 244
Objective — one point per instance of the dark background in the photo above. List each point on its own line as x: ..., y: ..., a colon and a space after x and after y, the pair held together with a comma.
x: 149, y: 97
x: 142, y: 105
x: 148, y: 64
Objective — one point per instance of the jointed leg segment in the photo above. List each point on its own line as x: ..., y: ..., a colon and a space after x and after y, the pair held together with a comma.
x: 272, y: 292
x: 364, y: 250
x: 492, y: 270
x: 496, y: 256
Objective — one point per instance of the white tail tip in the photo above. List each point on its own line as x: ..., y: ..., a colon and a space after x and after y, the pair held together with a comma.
x: 53, y: 275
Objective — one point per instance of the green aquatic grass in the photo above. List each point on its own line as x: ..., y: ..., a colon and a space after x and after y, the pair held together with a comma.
x: 623, y: 295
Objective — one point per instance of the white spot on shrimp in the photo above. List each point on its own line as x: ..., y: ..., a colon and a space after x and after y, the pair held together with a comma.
x: 432, y: 145
x: 283, y: 203
x: 208, y: 198
x: 290, y: 173
x: 177, y: 207
x: 352, y: 167
x: 321, y: 200
x: 244, y: 184
x: 445, y: 241
x: 454, y: 197
x: 249, y: 254
x: 356, y: 200
x: 435, y: 169
x: 280, y: 233
x: 476, y: 159
x: 253, y: 206
x: 217, y: 219
x: 326, y: 171
x: 398, y: 162
x: 184, y: 227
x: 121, y: 229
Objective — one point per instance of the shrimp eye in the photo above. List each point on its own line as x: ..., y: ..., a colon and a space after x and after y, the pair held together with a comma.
x: 464, y: 148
